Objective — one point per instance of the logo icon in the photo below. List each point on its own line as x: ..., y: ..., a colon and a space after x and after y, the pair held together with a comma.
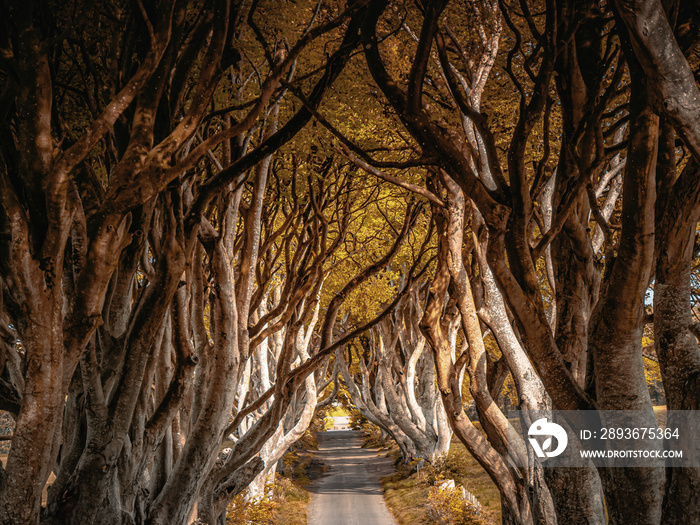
x: 542, y: 427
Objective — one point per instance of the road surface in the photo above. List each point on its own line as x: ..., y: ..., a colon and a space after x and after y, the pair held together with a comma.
x: 350, y: 493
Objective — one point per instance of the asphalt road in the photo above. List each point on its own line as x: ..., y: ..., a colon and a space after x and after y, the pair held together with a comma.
x: 350, y: 493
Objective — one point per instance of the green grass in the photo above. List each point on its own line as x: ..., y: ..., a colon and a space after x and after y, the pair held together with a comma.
x: 407, y: 493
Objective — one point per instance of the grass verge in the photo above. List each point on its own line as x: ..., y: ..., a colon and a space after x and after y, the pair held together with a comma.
x: 414, y: 499
x: 286, y: 502
x: 300, y: 468
x: 293, y: 500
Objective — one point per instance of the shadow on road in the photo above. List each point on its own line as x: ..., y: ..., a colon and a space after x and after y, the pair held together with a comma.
x: 350, y: 492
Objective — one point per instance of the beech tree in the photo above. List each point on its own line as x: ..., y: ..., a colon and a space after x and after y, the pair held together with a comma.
x: 132, y: 241
x: 396, y: 385
x: 582, y: 204
x: 177, y: 245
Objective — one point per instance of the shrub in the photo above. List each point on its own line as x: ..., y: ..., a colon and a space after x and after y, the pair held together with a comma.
x: 447, y: 507
x: 287, y: 491
x: 307, y: 441
x: 319, y: 420
x: 357, y: 420
x: 450, y: 466
x: 259, y: 511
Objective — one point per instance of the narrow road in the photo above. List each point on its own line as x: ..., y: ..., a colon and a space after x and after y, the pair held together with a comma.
x: 350, y: 493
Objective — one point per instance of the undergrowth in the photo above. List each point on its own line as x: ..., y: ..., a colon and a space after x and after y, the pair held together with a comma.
x: 372, y: 434
x: 285, y: 502
x: 446, y: 507
x: 414, y: 499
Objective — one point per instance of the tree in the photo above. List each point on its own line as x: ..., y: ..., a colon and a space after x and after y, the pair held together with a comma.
x: 396, y: 387
x: 176, y: 246
x: 577, y: 63
x: 112, y: 222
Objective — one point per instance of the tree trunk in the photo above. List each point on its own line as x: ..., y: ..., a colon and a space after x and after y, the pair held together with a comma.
x: 632, y: 494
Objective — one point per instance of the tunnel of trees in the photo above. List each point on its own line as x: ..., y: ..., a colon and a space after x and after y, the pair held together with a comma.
x: 214, y: 212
